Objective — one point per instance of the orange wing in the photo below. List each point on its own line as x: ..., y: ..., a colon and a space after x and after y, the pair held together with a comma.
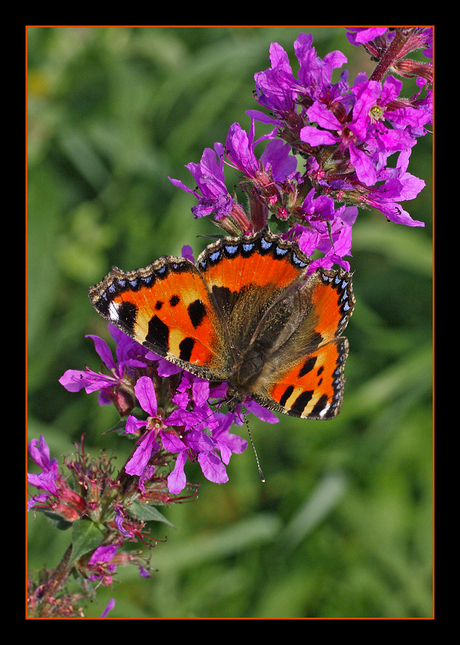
x: 165, y: 307
x: 307, y: 377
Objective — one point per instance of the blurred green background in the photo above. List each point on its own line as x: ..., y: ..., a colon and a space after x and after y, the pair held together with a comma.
x: 343, y: 525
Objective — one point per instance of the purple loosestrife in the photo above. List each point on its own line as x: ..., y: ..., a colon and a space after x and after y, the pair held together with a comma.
x: 346, y: 135
x: 139, y: 373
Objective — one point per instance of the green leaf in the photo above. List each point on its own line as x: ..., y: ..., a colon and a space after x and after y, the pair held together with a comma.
x: 57, y: 520
x: 86, y: 535
x: 148, y: 513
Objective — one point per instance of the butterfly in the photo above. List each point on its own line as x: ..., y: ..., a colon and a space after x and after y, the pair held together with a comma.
x: 247, y: 313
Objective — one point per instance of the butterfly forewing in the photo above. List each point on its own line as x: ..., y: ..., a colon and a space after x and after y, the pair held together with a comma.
x: 164, y: 307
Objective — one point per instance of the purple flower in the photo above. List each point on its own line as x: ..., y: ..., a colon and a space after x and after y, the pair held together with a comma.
x: 103, y: 554
x: 315, y: 74
x: 369, y: 141
x: 40, y: 453
x: 328, y: 231
x: 193, y: 415
x: 279, y: 91
x: 276, y: 88
x: 363, y: 126
x: 58, y: 496
x: 240, y: 146
x: 240, y: 149
x: 46, y: 480
x: 374, y: 105
x: 110, y: 386
x: 398, y: 186
x: 333, y: 132
x: 209, y: 177
x: 101, y: 564
x: 194, y: 442
x: 145, y: 394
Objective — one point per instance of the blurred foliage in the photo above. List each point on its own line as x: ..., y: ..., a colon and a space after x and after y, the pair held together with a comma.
x: 343, y: 525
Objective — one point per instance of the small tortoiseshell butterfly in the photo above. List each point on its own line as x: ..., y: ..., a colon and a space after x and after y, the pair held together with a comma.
x: 245, y: 313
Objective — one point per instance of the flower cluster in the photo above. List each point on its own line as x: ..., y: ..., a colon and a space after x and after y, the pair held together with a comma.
x: 178, y: 419
x: 174, y: 423
x: 344, y: 135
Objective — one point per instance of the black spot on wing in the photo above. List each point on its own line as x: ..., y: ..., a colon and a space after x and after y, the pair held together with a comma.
x: 158, y: 334
x: 196, y: 311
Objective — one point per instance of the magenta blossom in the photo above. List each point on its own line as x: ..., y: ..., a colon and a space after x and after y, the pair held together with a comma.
x: 212, y: 451
x: 193, y: 416
x: 114, y: 386
x: 145, y: 394
x: 212, y: 194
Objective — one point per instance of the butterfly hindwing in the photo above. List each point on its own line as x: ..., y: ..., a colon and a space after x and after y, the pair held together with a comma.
x: 306, y: 379
x: 313, y: 388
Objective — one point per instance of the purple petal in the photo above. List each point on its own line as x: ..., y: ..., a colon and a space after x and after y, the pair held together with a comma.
x: 309, y: 241
x: 212, y: 467
x: 40, y: 453
x: 145, y: 393
x: 260, y: 412
x: 181, y: 185
x: 171, y: 442
x: 316, y: 137
x: 260, y: 116
x: 119, y: 524
x: 109, y: 607
x: 133, y: 424
x: 142, y: 454
x: 182, y: 399
x: 165, y: 368
x: 277, y: 158
x: 143, y: 572
x: 187, y: 253
x: 146, y: 475
x: 240, y: 150
x: 38, y: 499
x: 363, y: 165
x: 319, y: 113
x: 103, y: 350
x: 200, y: 391
x: 103, y: 554
x: 74, y: 380
x: 359, y: 35
x: 199, y: 441
x: 397, y: 214
x: 177, y: 479
x: 45, y: 481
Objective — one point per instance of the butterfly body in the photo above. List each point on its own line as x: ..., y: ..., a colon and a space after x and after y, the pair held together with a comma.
x: 247, y: 313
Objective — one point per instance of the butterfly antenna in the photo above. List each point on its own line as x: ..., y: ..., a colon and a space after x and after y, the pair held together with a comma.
x: 261, y: 475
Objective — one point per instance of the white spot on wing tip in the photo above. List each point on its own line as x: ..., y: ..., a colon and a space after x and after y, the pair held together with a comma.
x: 113, y: 311
x: 324, y: 412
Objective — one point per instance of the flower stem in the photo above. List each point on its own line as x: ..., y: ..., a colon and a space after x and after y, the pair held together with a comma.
x: 47, y: 592
x: 392, y: 53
